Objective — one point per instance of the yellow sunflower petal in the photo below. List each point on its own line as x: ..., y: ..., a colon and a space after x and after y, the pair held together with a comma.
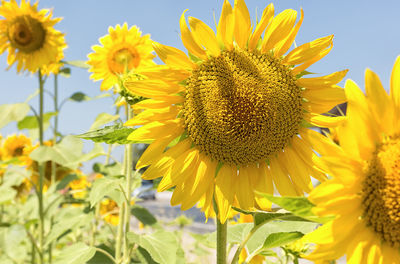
x: 173, y: 56
x: 323, y: 81
x: 205, y: 35
x: 266, y: 18
x: 281, y: 179
x: 189, y: 41
x: 395, y: 82
x: 279, y: 29
x: 224, y: 195
x: 308, y: 51
x: 285, y: 44
x: 242, y: 23
x: 226, y: 26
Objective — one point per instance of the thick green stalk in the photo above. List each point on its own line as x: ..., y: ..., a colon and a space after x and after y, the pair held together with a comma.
x: 222, y: 232
x: 55, y: 128
x: 128, y: 190
x: 41, y: 171
x: 120, y: 230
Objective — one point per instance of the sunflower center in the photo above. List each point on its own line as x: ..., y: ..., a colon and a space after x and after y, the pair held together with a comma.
x: 26, y: 34
x: 242, y: 107
x: 381, y: 191
x: 18, y: 151
x: 123, y: 59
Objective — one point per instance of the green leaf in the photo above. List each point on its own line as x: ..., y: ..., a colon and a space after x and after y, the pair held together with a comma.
x: 280, y: 239
x: 113, y: 169
x: 12, y: 112
x: 71, y: 222
x: 263, y: 217
x: 7, y: 194
x: 101, y: 188
x: 77, y: 63
x: 102, y: 119
x: 66, y: 72
x: 31, y: 122
x: 13, y: 243
x: 79, y: 97
x: 77, y: 253
x: 143, y: 215
x: 299, y: 206
x: 65, y: 181
x: 162, y: 246
x: 67, y: 153
x: 116, y: 134
x: 258, y: 238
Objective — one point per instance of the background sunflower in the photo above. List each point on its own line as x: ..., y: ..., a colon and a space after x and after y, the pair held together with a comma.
x: 365, y: 190
x: 29, y: 37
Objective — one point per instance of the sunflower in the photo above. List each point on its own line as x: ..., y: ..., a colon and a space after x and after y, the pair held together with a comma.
x: 16, y: 146
x: 29, y: 36
x: 364, y: 193
x: 79, y: 186
x: 109, y: 210
x: 123, y: 50
x: 238, y: 107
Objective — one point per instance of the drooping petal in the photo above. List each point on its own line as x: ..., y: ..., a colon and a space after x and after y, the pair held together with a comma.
x: 204, y: 35
x: 266, y: 18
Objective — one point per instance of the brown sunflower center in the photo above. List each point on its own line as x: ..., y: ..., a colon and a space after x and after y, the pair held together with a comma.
x: 242, y: 107
x: 123, y: 59
x: 381, y: 191
x: 26, y: 34
x: 18, y: 151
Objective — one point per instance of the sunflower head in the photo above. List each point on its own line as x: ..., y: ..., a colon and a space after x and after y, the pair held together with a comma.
x: 364, y: 192
x: 122, y: 50
x: 16, y: 146
x: 238, y: 105
x: 109, y: 210
x: 29, y: 36
x: 79, y: 186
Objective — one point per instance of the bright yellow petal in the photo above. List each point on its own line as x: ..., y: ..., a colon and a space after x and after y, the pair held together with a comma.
x: 323, y: 81
x: 266, y: 18
x: 279, y: 29
x: 395, y: 83
x: 156, y: 130
x: 311, y: 61
x: 325, y: 121
x: 226, y: 26
x: 244, y: 192
x: 152, y: 88
x: 173, y: 56
x: 188, y: 40
x: 285, y: 44
x: 281, y: 179
x: 224, y: 190
x: 242, y: 23
x: 204, y: 35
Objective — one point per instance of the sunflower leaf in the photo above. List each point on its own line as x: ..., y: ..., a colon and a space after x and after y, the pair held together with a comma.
x: 77, y: 63
x: 299, y: 206
x: 31, y: 122
x: 12, y: 112
x: 162, y: 246
x: 75, y: 254
x: 102, y: 119
x: 116, y: 134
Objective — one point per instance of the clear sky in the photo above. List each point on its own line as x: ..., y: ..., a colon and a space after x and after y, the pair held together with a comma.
x: 366, y: 35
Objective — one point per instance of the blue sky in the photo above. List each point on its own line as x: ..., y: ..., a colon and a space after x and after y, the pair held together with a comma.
x: 366, y: 35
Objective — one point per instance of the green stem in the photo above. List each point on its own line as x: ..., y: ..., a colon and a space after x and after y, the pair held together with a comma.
x: 95, y: 223
x: 120, y: 230
x: 55, y: 128
x: 128, y: 188
x: 235, y: 259
x: 41, y: 171
x: 222, y: 232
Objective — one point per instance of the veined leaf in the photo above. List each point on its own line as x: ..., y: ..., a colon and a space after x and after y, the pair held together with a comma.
x: 31, y: 122
x: 80, y: 97
x: 12, y: 112
x: 280, y: 239
x: 102, y: 119
x: 116, y: 134
x: 77, y: 63
x: 162, y: 246
x: 77, y: 253
x: 103, y: 187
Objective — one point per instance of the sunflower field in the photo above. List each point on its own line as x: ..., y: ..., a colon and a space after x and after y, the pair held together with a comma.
x: 231, y: 145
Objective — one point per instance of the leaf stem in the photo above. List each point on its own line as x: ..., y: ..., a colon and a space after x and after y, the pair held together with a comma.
x: 106, y: 254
